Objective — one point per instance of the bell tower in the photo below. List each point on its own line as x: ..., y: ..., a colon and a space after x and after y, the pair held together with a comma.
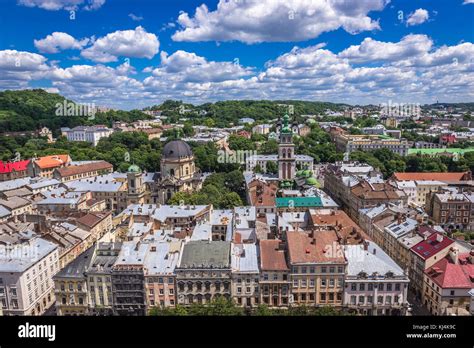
x: 286, y: 152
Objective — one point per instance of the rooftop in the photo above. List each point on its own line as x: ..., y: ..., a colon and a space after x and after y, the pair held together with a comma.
x: 77, y: 267
x: 448, y: 274
x: 272, y: 257
x: 432, y: 245
x: 206, y: 254
x: 313, y: 247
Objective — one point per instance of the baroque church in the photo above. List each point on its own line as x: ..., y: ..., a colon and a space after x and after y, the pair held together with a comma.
x: 178, y: 173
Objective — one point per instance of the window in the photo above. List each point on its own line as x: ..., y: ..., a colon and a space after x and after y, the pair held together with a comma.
x: 13, y: 291
x: 323, y: 269
x: 389, y: 287
x: 311, y: 283
x: 275, y: 276
x: 451, y: 292
x: 388, y: 299
x: 362, y: 287
x: 303, y: 269
x: 380, y: 299
x: 295, y: 283
x: 361, y: 299
x: 340, y: 269
x: 304, y: 283
x: 353, y: 300
x: 331, y: 282
x: 323, y: 282
x: 171, y: 291
x: 239, y: 290
x: 370, y: 299
x: 312, y: 269
x: 353, y: 286
x: 381, y: 287
x: 323, y: 297
x: 265, y: 276
x: 397, y: 287
x: 332, y: 269
x: 370, y: 287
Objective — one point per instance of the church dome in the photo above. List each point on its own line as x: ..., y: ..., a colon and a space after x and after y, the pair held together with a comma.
x: 134, y: 169
x: 176, y: 149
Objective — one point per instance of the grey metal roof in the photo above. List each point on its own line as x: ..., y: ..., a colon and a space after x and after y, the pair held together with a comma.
x: 244, y: 258
x: 176, y: 149
x: 22, y: 256
x: 372, y: 260
x: 77, y: 267
x: 206, y: 254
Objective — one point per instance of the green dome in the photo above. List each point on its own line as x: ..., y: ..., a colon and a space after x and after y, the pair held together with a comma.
x: 134, y: 169
x: 311, y: 181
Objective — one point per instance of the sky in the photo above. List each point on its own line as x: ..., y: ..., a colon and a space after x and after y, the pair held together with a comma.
x: 132, y: 54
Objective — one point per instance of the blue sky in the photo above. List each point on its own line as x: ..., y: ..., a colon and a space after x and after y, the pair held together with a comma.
x: 132, y: 54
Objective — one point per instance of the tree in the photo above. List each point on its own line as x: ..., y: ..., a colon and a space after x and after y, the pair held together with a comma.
x: 272, y: 167
x: 230, y: 200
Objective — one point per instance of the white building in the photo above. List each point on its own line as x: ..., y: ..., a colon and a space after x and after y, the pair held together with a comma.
x: 89, y: 134
x: 375, y: 284
x: 26, y: 271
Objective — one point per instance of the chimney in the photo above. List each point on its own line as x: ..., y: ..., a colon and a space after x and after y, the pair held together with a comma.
x: 454, y: 255
x: 439, y: 237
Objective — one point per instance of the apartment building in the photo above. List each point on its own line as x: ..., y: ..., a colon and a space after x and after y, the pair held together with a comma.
x: 245, y: 275
x: 448, y: 284
x: 374, y: 283
x: 44, y: 166
x: 348, y: 142
x: 128, y: 286
x: 317, y: 268
x: 160, y: 278
x: 424, y: 255
x: 99, y: 278
x: 13, y: 170
x: 453, y: 209
x: 82, y: 171
x: 70, y: 286
x: 204, y: 272
x: 274, y: 274
x: 27, y: 266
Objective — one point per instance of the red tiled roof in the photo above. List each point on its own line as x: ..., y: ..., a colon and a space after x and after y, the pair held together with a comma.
x: 448, y: 274
x: 84, y: 168
x: 18, y: 166
x: 351, y: 233
x: 432, y: 176
x: 432, y: 245
x: 271, y: 257
x: 306, y: 248
x: 52, y: 161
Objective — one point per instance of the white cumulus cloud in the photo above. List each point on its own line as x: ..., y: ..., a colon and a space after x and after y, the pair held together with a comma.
x: 58, y: 41
x: 418, y: 17
x: 55, y: 5
x: 137, y: 43
x: 253, y: 21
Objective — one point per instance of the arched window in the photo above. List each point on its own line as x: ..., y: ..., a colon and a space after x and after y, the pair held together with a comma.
x: 172, y: 172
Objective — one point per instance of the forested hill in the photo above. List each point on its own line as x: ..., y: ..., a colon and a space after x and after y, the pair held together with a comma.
x: 223, y: 113
x: 29, y: 110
